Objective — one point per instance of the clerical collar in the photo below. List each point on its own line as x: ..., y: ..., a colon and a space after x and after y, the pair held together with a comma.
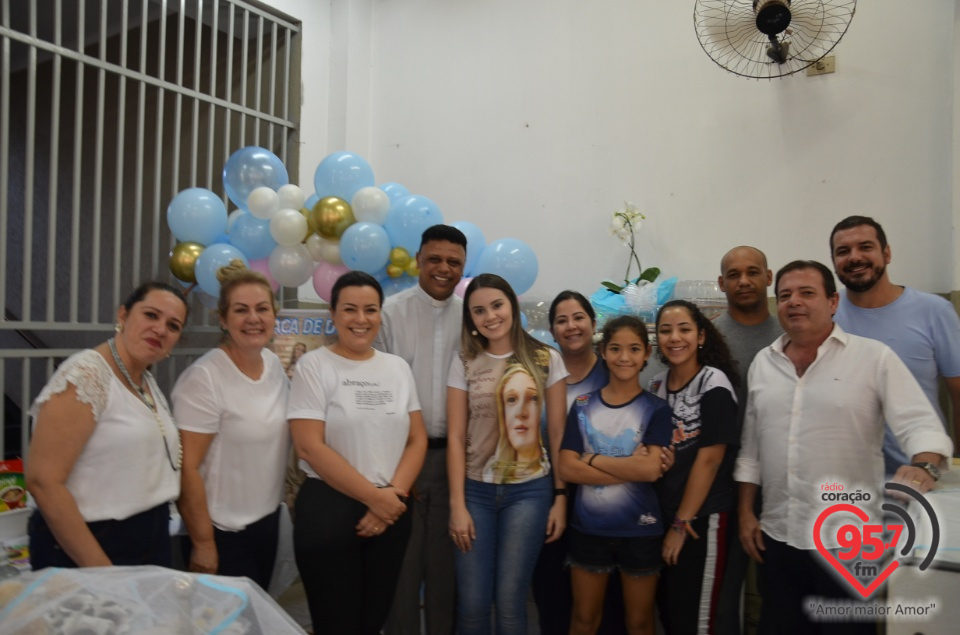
x: 429, y: 299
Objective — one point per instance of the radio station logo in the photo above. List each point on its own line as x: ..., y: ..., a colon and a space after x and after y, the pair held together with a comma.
x: 864, y: 544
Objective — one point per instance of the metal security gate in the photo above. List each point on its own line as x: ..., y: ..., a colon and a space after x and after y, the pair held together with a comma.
x: 108, y: 108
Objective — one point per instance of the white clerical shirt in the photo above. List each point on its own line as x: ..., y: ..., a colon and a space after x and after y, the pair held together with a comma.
x: 802, y: 433
x: 426, y: 333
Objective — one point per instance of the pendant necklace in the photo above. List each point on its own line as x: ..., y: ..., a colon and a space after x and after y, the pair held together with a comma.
x: 149, y: 403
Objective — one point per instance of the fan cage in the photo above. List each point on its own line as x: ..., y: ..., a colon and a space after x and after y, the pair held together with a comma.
x: 728, y: 34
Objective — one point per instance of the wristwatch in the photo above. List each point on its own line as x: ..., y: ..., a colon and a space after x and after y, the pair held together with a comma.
x: 931, y: 469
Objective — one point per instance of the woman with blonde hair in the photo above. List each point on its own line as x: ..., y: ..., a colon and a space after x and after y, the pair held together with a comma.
x: 500, y: 517
x: 231, y: 410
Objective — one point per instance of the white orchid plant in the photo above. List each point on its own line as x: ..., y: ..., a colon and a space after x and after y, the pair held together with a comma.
x: 625, y: 226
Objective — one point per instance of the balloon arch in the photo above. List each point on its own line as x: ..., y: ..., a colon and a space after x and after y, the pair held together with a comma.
x: 348, y: 223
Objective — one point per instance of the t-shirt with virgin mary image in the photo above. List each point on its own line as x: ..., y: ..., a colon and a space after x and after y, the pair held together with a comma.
x: 505, y: 400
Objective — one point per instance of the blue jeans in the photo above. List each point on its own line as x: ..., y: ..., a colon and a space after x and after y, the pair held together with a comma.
x: 511, y: 523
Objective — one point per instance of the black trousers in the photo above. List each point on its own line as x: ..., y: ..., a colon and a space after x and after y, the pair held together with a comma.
x: 689, y: 592
x: 250, y: 552
x: 349, y: 581
x: 143, y: 538
x: 788, y: 576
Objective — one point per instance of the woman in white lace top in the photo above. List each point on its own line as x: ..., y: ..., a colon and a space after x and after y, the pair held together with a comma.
x: 105, y: 457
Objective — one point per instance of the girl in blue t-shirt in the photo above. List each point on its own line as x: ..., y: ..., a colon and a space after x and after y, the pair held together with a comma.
x: 616, y: 522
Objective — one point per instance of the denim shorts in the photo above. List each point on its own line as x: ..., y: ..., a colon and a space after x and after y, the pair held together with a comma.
x: 637, y: 556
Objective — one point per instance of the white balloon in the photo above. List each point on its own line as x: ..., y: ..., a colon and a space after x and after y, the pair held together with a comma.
x: 371, y: 205
x: 263, y: 203
x: 291, y: 197
x: 314, y: 243
x: 291, y: 266
x: 232, y: 218
x: 330, y: 251
x: 288, y: 227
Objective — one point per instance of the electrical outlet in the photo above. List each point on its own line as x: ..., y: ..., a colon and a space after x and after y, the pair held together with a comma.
x: 824, y: 66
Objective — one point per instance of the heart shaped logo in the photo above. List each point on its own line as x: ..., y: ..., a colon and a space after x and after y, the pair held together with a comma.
x: 865, y: 591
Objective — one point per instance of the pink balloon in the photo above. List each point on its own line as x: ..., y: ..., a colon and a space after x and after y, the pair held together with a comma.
x: 461, y: 287
x: 263, y: 266
x: 324, y: 276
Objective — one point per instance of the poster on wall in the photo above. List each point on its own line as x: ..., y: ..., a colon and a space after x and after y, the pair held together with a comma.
x: 300, y: 330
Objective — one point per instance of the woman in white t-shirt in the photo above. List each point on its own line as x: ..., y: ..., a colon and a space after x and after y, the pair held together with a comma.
x: 505, y: 500
x: 356, y: 424
x: 230, y: 406
x: 104, y: 460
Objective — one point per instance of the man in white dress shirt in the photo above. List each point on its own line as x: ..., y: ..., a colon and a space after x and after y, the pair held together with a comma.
x: 816, y: 405
x: 422, y: 325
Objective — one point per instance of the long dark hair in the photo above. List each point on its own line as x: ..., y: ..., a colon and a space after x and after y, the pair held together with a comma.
x: 572, y: 295
x: 629, y: 322
x: 138, y: 294
x: 714, y: 351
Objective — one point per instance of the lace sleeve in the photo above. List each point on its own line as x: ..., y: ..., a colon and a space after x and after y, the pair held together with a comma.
x: 89, y: 372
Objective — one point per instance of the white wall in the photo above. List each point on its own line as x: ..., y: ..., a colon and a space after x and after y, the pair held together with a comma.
x: 536, y: 119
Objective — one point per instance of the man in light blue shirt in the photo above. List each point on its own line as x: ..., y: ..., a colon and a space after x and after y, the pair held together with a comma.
x: 923, y: 329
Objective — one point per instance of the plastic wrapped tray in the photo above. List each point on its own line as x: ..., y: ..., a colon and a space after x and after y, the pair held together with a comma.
x: 137, y: 600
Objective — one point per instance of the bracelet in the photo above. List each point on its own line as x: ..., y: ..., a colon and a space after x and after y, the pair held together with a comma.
x: 679, y: 525
x: 590, y: 462
x: 561, y: 491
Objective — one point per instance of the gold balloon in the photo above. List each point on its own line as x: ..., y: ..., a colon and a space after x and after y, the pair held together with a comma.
x: 394, y: 271
x: 399, y: 257
x: 332, y: 216
x: 311, y: 224
x: 183, y: 261
x: 412, y: 269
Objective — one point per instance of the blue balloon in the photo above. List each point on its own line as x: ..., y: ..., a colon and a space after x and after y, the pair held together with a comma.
x: 511, y: 259
x: 396, y: 285
x: 544, y: 336
x: 210, y: 260
x: 251, y: 235
x: 476, y: 241
x: 365, y: 247
x: 523, y: 320
x: 342, y: 174
x: 395, y: 191
x: 311, y: 201
x: 249, y: 168
x: 197, y: 215
x: 407, y: 219
x: 381, y: 275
